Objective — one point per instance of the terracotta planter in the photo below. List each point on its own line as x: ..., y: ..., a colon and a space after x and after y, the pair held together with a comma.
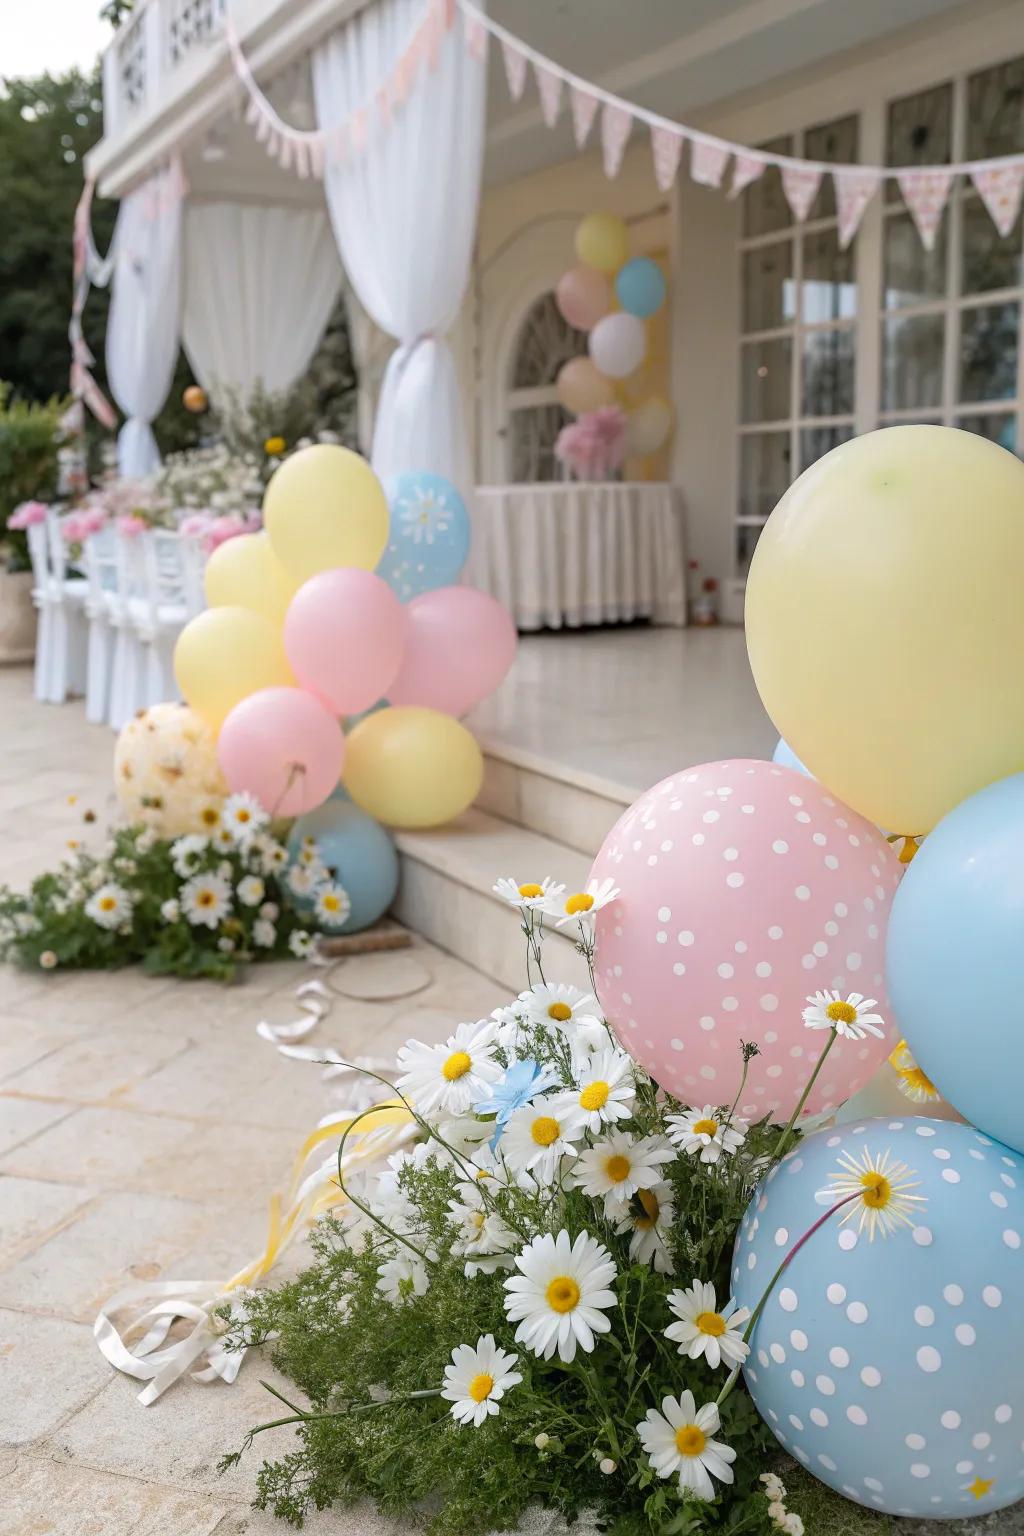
x: 17, y: 617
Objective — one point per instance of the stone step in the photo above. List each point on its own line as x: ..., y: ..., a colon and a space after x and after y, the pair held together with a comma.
x: 572, y: 807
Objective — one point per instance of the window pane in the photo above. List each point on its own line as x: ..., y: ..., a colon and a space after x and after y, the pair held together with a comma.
x: 989, y: 260
x: 920, y: 131
x: 995, y: 110
x: 766, y: 368
x: 988, y: 352
x: 764, y: 471
x: 828, y: 289
x: 746, y: 543
x: 768, y: 289
x: 912, y: 274
x: 1000, y: 428
x: 545, y: 342
x: 827, y: 382
x: 912, y: 361
x: 816, y: 441
x: 830, y: 141
x: 764, y: 203
x: 532, y: 432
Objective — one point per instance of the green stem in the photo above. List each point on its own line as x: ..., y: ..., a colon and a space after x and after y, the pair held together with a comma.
x: 784, y: 1138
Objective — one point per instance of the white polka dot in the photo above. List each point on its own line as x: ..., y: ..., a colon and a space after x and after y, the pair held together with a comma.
x: 664, y: 913
x: 922, y: 1236
x: 1003, y: 1414
x: 777, y: 1353
x: 762, y: 969
x: 820, y: 1417
x: 841, y: 909
x: 768, y: 1002
x: 795, y: 800
x: 856, y: 1415
x: 676, y: 1043
x: 941, y: 1153
x: 826, y: 1461
x: 929, y: 1358
x: 685, y: 938
x: 796, y: 1377
x: 734, y: 881
x: 788, y: 1299
x: 951, y: 1176
x: 730, y: 1004
x: 1011, y: 1238
x: 763, y: 1357
x: 847, y: 1240
x: 953, y: 1294
x: 751, y: 1260
x: 857, y: 1312
x: 854, y: 962
x: 925, y: 1130
x: 781, y: 1237
x: 915, y: 1442
x: 998, y: 1199
x: 963, y: 1467
x: 709, y: 817
x: 725, y: 970
x: 830, y: 861
x: 796, y: 1423
x: 873, y: 1484
x: 965, y: 1334
x: 871, y: 1376
x: 838, y: 1356
x: 779, y: 846
x: 697, y: 839
x: 798, y: 1339
x: 825, y: 1385
x: 773, y: 1071
x: 918, y: 1469
x: 708, y: 1072
x: 770, y: 1036
x: 950, y: 1419
x: 661, y: 936
x: 981, y: 1442
x: 775, y: 932
x: 706, y: 1022
x: 836, y: 1293
x: 802, y: 893
x: 740, y: 947
x: 820, y: 949
x: 992, y: 1296
x: 731, y: 855
x: 679, y: 969
x: 924, y: 1317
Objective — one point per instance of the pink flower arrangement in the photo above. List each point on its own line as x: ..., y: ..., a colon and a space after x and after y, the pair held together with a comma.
x: 129, y: 525
x: 28, y: 513
x: 212, y: 531
x: 82, y: 524
x: 594, y: 446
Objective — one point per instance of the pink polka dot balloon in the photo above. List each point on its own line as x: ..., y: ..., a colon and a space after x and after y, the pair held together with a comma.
x: 744, y: 888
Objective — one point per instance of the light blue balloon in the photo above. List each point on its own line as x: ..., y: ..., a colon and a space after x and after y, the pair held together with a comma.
x: 891, y: 1368
x: 360, y: 854
x: 640, y: 287
x: 955, y: 958
x: 428, y: 534
x: 787, y: 758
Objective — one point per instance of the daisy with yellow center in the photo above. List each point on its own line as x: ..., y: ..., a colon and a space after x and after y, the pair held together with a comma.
x: 449, y: 1079
x: 910, y: 1079
x: 478, y: 1379
x: 849, y: 1016
x: 538, y: 1136
x: 679, y: 1440
x: 333, y: 905
x: 605, y: 1090
x: 209, y: 817
x: 560, y: 1295
x: 205, y: 900
x: 648, y: 1217
x: 531, y: 895
x: 109, y: 907
x: 876, y: 1191
x: 243, y: 815
x: 582, y: 906
x: 618, y: 1165
x: 704, y: 1329
x: 707, y: 1131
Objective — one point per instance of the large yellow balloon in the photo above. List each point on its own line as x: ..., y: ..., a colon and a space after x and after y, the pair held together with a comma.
x: 885, y: 622
x: 602, y: 241
x: 225, y: 654
x: 244, y: 572
x: 412, y: 767
x: 325, y: 507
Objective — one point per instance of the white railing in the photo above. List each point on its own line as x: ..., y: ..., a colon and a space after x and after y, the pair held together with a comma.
x: 157, y: 39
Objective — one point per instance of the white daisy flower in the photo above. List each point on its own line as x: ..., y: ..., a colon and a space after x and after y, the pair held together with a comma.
x: 187, y: 854
x: 205, y: 900
x: 481, y: 1232
x: 401, y: 1278
x: 560, y: 1295
x: 333, y: 905
x: 511, y: 1022
x: 308, y: 855
x: 271, y: 854
x: 581, y: 906
x: 558, y: 1005
x: 222, y: 839
x: 538, y: 1136
x: 850, y: 1016
x: 614, y: 1168
x: 300, y: 943
x: 251, y: 891
x: 605, y: 1090
x: 270, y: 912
x: 110, y: 906
x: 911, y: 1080
x: 210, y: 816
x: 301, y: 880
x: 877, y: 1190
x: 478, y: 1379
x: 649, y: 1217
x: 264, y: 934
x: 704, y: 1330
x: 707, y: 1131
x: 450, y: 1077
x: 226, y: 946
x: 528, y: 897
x: 679, y: 1439
x: 170, y: 911
x: 243, y: 815
x: 48, y: 960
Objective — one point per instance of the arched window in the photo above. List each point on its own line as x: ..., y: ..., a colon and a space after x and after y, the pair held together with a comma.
x: 534, y: 417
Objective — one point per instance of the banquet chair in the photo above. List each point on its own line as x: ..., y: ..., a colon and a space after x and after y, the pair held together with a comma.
x: 99, y: 557
x: 59, y: 598
x: 128, y: 669
x: 165, y: 611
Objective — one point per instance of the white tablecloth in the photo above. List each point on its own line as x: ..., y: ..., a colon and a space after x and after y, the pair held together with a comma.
x: 572, y: 554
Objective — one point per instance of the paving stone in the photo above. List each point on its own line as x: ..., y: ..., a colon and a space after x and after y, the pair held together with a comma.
x: 24, y: 1041
x: 50, y: 1368
x: 108, y: 1148
x: 378, y: 978
x: 42, y: 1497
x: 361, y: 1520
x: 31, y: 1209
x: 22, y: 1119
x: 245, y: 1080
x: 99, y: 1068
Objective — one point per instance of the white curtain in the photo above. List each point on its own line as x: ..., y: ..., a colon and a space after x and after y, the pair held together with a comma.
x: 144, y: 327
x: 260, y: 284
x: 404, y: 214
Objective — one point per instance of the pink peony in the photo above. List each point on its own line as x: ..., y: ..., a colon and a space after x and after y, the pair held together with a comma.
x: 130, y: 525
x: 220, y: 529
x: 195, y: 526
x: 26, y: 514
x: 594, y: 446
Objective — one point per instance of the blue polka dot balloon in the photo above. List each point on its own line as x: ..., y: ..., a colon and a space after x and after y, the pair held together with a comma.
x: 428, y: 535
x: 888, y: 1362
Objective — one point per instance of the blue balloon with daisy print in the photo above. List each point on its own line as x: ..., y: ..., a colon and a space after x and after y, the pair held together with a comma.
x: 428, y: 534
x: 360, y: 855
x: 887, y: 1356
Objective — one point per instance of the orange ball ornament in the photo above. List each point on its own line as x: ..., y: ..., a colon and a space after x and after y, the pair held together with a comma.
x: 194, y: 399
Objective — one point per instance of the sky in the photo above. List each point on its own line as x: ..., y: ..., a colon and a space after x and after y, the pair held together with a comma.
x: 50, y: 35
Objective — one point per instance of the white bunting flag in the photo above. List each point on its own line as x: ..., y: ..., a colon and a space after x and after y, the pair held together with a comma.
x: 515, y: 68
x: 745, y: 169
x: 707, y: 162
x: 800, y: 184
x: 854, y: 190
x: 584, y: 110
x: 549, y: 89
x: 925, y: 194
x: 1001, y: 188
x: 616, y: 123
x: 667, y: 147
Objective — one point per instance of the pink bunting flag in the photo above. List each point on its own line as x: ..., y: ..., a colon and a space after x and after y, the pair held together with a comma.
x: 707, y: 162
x: 252, y: 113
x: 475, y: 34
x: 433, y: 33
x: 317, y: 148
x: 358, y: 130
x: 584, y: 110
x: 666, y: 147
x: 515, y: 68
x: 854, y: 190
x: 925, y: 194
x: 549, y: 89
x: 800, y: 184
x: 286, y: 153
x: 616, y: 123
x: 745, y: 169
x: 1001, y: 188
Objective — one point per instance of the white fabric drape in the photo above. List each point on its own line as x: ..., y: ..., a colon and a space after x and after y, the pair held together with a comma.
x: 144, y: 328
x: 404, y: 210
x: 260, y: 283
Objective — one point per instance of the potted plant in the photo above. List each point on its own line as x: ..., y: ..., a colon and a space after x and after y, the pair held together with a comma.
x: 29, y: 440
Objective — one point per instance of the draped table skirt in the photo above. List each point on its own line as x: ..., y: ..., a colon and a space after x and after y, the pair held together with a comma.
x: 568, y: 554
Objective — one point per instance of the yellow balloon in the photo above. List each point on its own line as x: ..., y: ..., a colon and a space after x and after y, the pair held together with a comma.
x: 225, y: 654
x: 885, y: 624
x: 412, y: 767
x: 324, y: 507
x: 244, y: 572
x: 582, y: 388
x: 602, y: 241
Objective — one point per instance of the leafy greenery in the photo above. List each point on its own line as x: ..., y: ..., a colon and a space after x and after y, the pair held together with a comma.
x: 29, y: 439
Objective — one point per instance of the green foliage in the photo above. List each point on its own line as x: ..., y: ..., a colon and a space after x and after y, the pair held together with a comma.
x: 29, y: 438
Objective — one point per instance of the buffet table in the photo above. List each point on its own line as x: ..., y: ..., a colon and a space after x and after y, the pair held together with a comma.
x: 569, y: 554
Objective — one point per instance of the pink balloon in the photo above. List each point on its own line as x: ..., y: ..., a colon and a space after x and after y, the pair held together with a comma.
x: 344, y: 634
x: 745, y: 887
x: 284, y: 748
x: 461, y: 645
x: 583, y: 296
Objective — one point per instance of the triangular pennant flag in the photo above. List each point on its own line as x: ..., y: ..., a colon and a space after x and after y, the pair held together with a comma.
x: 515, y: 68
x: 616, y: 123
x: 384, y: 105
x: 666, y: 146
x: 925, y: 193
x: 707, y: 162
x: 302, y: 159
x: 286, y: 152
x: 252, y: 112
x: 357, y: 129
x: 1001, y: 188
x: 584, y: 110
x: 549, y: 89
x: 745, y: 169
x: 262, y: 129
x: 800, y: 184
x: 317, y: 146
x: 448, y: 10
x: 475, y: 34
x: 854, y: 190
x: 434, y: 35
